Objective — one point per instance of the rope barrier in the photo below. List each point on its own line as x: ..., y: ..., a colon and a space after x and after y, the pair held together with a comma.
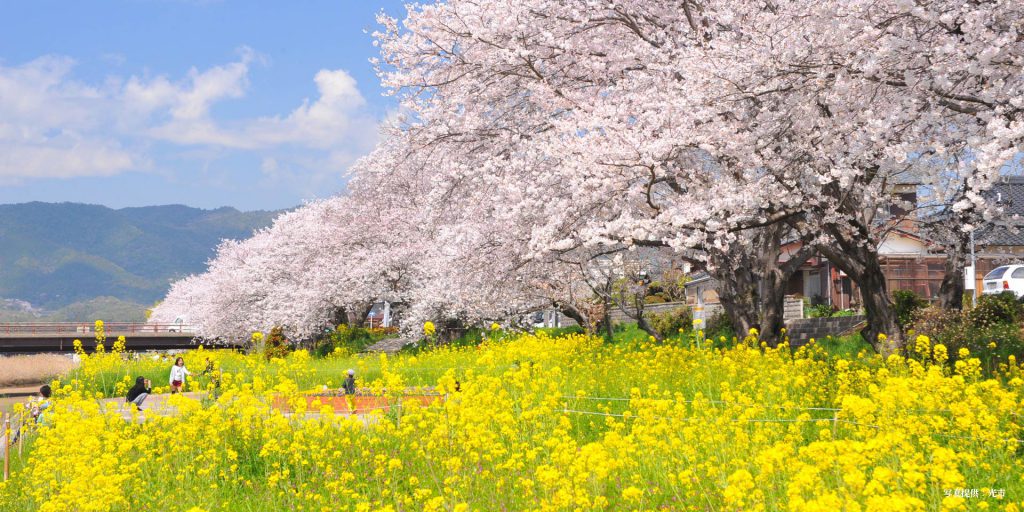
x: 777, y: 420
x: 346, y: 413
x: 720, y: 402
x: 696, y: 420
x: 750, y: 406
x: 950, y: 436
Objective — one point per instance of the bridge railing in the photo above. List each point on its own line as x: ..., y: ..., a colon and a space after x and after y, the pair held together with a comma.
x: 88, y: 329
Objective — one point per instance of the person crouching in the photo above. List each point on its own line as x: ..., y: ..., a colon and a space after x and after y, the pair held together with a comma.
x: 138, y: 393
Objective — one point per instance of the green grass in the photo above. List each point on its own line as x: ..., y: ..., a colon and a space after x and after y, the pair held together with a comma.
x: 846, y: 347
x: 330, y: 371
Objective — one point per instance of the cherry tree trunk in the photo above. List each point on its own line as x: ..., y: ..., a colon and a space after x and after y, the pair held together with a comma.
x: 951, y: 291
x: 736, y: 291
x: 362, y: 313
x: 773, y: 277
x: 641, y: 320
x: 576, y: 314
x: 339, y: 317
x: 880, y: 314
x: 646, y: 326
x: 770, y: 319
x: 607, y: 320
x: 862, y: 264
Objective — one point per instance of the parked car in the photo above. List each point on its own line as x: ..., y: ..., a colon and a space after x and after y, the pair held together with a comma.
x: 178, y: 325
x: 1007, y: 278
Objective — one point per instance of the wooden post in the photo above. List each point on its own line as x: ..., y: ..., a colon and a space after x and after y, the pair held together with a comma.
x: 7, y: 445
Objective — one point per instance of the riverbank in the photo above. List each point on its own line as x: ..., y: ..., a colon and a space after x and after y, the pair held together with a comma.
x: 12, y: 395
x: 29, y: 370
x: 21, y: 376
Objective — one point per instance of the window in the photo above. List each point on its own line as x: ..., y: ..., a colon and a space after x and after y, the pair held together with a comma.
x: 1018, y: 273
x: 997, y: 273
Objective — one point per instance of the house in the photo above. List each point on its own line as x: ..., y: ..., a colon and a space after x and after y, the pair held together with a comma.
x: 909, y: 261
x: 997, y: 244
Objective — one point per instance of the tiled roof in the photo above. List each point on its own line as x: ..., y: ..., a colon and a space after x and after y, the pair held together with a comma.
x: 697, y: 278
x: 1010, y: 193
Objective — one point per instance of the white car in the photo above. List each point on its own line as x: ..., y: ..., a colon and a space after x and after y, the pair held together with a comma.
x: 1007, y: 278
x: 178, y: 325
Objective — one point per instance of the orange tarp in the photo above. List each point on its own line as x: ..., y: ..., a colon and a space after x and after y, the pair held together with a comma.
x: 360, y: 404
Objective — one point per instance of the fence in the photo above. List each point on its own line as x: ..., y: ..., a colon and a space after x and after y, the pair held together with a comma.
x: 112, y: 328
x: 618, y: 316
x: 793, y: 308
x: 831, y: 415
x: 6, y: 443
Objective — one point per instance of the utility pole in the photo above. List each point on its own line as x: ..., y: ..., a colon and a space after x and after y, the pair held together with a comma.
x: 974, y: 273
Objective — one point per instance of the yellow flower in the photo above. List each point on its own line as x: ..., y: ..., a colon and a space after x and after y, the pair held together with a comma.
x: 854, y: 433
x: 632, y: 493
x: 428, y: 328
x: 923, y: 345
x: 494, y: 326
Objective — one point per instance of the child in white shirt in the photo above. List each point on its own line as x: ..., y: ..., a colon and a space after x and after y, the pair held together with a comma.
x: 178, y: 374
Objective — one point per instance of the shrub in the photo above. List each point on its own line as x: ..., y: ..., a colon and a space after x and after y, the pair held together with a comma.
x: 352, y: 339
x: 933, y: 321
x: 982, y: 331
x: 670, y: 322
x: 671, y: 287
x: 997, y: 309
x: 818, y: 311
x: 277, y: 344
x: 718, y: 325
x: 905, y: 303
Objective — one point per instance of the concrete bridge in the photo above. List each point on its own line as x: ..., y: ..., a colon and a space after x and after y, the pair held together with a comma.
x: 27, y: 338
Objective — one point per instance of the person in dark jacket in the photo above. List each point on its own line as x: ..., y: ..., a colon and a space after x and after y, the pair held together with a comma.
x: 350, y: 383
x: 138, y: 393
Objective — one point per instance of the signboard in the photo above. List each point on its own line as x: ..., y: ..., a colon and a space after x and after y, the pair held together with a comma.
x: 969, y: 277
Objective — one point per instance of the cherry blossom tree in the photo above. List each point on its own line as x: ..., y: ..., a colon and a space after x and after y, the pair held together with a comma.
x: 535, y: 134
x: 747, y: 114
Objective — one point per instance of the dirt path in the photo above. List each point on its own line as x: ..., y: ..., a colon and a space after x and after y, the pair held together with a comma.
x: 156, y: 405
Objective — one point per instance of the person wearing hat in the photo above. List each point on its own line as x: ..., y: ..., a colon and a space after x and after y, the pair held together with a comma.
x: 350, y: 383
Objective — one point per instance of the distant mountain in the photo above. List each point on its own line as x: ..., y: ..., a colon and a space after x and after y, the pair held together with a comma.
x: 85, y: 259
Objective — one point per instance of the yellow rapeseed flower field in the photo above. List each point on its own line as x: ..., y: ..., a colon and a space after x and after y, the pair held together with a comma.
x: 533, y: 422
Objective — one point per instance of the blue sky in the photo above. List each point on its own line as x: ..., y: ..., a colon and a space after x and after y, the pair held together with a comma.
x: 256, y: 105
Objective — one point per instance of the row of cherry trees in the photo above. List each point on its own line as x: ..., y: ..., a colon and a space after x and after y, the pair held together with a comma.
x: 538, y: 138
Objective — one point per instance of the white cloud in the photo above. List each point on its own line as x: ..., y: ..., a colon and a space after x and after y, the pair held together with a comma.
x: 63, y: 157
x: 49, y: 121
x: 328, y: 121
x: 336, y: 117
x: 191, y: 99
x: 54, y: 126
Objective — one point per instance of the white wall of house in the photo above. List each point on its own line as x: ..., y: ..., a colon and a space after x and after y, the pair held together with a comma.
x: 899, y: 245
